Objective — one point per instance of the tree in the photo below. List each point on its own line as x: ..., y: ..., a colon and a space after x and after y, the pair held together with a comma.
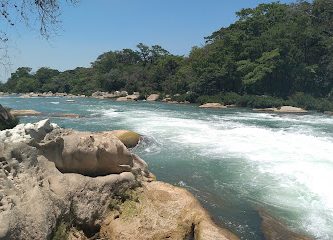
x: 41, y: 13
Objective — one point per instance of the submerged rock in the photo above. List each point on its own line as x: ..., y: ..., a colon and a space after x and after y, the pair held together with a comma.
x: 128, y: 138
x: 276, y: 230
x: 65, y: 115
x: 212, y: 105
x: 17, y: 113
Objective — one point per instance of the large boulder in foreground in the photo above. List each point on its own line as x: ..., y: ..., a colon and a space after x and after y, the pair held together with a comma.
x: 90, y: 154
x: 37, y: 200
x: 161, y: 211
x: 7, y: 120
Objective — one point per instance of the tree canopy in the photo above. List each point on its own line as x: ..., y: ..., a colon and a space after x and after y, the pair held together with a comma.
x: 274, y: 49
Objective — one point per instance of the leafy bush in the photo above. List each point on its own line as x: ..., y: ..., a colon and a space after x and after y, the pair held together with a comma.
x: 254, y: 101
x: 251, y: 101
x: 206, y: 99
x: 189, y: 97
x: 310, y: 103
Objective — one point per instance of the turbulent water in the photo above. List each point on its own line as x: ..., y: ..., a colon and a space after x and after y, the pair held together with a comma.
x: 235, y: 161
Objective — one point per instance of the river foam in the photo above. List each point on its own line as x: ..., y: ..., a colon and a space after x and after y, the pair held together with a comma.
x: 291, y: 159
x: 234, y: 160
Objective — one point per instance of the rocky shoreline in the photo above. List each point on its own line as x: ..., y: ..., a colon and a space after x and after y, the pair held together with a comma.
x: 62, y: 184
x: 123, y: 96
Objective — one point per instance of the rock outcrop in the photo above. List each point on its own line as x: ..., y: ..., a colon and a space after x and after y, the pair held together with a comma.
x: 212, y: 105
x: 104, y: 95
x: 161, y: 211
x: 35, y: 197
x: 133, y: 97
x: 90, y: 154
x: 7, y: 120
x: 47, y: 192
x: 283, y: 109
x: 27, y: 133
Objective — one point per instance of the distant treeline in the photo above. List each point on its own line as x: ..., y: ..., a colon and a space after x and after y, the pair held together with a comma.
x: 283, y: 51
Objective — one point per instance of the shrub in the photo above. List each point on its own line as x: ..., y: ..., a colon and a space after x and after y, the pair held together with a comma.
x: 254, y: 101
x: 310, y: 103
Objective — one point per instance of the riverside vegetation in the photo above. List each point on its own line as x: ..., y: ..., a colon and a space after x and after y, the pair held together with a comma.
x: 275, y: 54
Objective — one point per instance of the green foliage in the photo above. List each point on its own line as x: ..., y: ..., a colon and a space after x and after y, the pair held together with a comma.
x: 308, y: 102
x: 252, y: 101
x: 274, y: 51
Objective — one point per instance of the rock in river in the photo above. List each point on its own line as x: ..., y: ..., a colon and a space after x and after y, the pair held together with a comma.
x: 212, y: 105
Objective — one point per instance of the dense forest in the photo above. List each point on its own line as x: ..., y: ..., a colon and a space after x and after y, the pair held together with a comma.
x: 272, y: 54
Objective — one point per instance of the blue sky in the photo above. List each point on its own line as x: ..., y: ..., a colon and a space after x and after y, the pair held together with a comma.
x: 96, y: 26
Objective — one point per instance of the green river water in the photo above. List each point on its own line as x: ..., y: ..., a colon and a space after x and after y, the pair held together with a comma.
x: 235, y: 161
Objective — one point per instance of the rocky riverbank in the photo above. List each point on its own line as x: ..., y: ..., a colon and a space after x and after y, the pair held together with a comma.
x: 62, y: 184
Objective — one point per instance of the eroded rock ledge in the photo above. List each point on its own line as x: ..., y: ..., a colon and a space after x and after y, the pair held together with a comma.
x: 63, y: 184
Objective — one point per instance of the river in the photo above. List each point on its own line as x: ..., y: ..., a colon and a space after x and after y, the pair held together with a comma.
x: 235, y: 161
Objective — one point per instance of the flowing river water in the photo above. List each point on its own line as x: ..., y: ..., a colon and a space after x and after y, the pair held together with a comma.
x: 235, y: 161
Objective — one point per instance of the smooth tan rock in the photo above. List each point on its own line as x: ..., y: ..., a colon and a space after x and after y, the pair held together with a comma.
x: 162, y: 211
x: 17, y: 113
x: 212, y: 105
x: 329, y: 113
x: 167, y: 99
x: 35, y: 196
x: 132, y: 97
x: 283, y: 109
x: 128, y: 138
x: 90, y: 154
x: 153, y: 97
